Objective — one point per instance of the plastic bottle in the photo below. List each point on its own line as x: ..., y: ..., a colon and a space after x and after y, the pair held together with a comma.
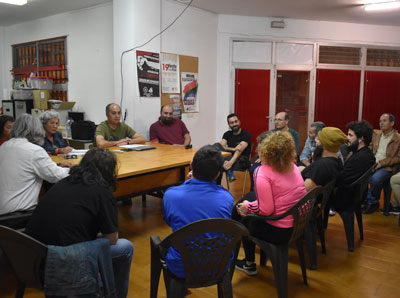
x: 68, y: 127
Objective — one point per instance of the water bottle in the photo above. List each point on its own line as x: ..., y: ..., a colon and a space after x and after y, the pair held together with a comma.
x: 68, y: 127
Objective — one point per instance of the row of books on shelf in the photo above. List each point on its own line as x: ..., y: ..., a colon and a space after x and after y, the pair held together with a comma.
x: 45, y: 54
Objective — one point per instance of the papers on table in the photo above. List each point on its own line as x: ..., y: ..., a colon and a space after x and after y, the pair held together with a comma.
x: 78, y: 152
x: 136, y: 147
x: 131, y: 146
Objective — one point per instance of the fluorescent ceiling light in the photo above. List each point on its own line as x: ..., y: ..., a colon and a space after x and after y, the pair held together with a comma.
x: 14, y: 2
x: 382, y: 5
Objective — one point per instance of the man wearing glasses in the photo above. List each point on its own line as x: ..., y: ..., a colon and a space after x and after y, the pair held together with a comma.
x: 281, y: 124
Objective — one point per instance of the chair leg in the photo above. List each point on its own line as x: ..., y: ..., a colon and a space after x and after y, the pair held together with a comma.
x: 348, y: 222
x: 311, y: 241
x: 175, y: 288
x: 321, y: 233
x: 360, y: 223
x: 225, y: 287
x: 155, y: 269
x: 263, y: 258
x: 20, y: 290
x: 279, y: 259
x: 227, y: 180
x: 244, y: 182
x: 326, y: 217
x: 387, y: 193
x: 299, y: 244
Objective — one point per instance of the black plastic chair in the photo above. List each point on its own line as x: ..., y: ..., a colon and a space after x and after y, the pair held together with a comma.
x: 359, y: 190
x: 205, y: 259
x: 278, y: 254
x: 316, y: 224
x: 16, y: 220
x: 26, y: 257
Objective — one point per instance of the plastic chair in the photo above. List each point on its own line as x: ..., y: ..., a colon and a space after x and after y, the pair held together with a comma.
x: 26, y: 257
x: 16, y: 220
x: 200, y: 255
x: 359, y: 189
x: 316, y: 224
x: 278, y: 254
x: 246, y: 171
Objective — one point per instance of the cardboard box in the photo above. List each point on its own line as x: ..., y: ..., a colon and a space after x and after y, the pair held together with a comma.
x: 62, y: 108
x: 40, y: 98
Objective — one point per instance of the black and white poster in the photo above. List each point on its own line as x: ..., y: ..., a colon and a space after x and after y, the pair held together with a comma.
x: 148, y: 70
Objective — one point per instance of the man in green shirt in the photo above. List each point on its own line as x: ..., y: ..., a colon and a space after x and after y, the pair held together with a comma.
x: 112, y: 132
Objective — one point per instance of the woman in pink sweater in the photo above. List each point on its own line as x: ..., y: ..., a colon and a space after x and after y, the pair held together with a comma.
x: 278, y: 186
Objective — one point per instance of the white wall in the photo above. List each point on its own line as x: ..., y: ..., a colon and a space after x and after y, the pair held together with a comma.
x: 135, y: 22
x: 2, y: 66
x: 240, y: 27
x: 89, y: 53
x: 194, y: 34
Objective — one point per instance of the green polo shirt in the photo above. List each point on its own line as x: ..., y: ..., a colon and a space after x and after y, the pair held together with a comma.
x: 122, y: 131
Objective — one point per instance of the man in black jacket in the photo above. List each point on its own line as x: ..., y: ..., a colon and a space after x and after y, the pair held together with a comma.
x: 359, y: 160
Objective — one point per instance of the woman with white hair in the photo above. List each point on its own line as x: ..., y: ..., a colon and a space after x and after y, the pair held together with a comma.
x: 53, y: 140
x: 24, y: 165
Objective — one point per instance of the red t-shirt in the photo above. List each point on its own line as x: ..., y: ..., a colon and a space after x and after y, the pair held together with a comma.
x: 168, y: 134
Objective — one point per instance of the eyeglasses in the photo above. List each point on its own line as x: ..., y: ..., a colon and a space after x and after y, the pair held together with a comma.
x: 279, y: 120
x: 71, y: 156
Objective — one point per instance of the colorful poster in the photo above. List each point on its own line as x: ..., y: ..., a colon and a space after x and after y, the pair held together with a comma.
x: 148, y: 70
x: 175, y: 102
x: 189, y: 92
x: 170, y: 73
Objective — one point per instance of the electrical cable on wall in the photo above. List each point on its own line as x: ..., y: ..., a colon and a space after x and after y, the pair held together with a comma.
x: 142, y: 45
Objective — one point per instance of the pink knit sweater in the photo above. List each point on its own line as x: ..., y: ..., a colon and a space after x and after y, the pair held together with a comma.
x: 276, y: 193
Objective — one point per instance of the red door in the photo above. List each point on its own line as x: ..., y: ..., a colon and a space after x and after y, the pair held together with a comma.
x: 381, y: 95
x: 252, y: 100
x: 337, y: 97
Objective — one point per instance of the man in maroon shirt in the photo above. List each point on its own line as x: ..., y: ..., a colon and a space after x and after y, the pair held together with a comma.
x: 167, y: 130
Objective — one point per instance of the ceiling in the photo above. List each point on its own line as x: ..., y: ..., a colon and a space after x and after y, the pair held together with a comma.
x: 36, y: 9
x: 325, y: 10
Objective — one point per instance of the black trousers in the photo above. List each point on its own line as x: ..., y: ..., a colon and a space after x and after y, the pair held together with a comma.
x: 260, y: 229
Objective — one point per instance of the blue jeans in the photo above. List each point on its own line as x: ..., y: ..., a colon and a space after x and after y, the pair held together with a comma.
x: 253, y: 167
x: 121, y: 254
x: 376, y: 182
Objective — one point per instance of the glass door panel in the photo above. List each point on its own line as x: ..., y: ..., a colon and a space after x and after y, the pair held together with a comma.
x: 292, y: 96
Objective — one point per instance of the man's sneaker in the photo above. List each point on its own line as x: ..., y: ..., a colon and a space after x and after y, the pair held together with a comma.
x: 371, y: 208
x: 395, y: 211
x: 231, y: 176
x: 248, y: 269
x: 332, y: 212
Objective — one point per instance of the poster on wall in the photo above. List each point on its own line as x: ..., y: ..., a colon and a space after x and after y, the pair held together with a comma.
x: 148, y: 70
x: 170, y: 73
x: 189, y: 92
x: 176, y: 104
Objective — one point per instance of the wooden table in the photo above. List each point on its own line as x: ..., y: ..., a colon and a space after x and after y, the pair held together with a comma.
x: 140, y: 172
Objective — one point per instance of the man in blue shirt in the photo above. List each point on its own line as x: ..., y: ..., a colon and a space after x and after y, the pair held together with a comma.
x: 309, y: 147
x: 196, y: 199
